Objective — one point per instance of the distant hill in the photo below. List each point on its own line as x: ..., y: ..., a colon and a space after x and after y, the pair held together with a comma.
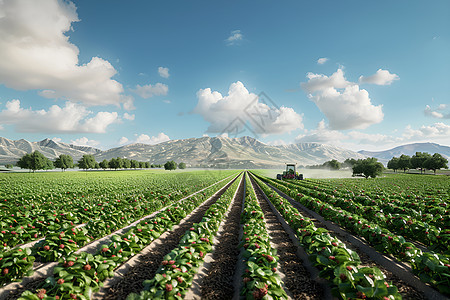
x: 410, y: 149
x: 11, y: 151
x: 222, y: 152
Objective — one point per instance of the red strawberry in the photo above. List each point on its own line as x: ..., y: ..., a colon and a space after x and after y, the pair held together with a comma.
x: 73, y: 296
x: 331, y: 257
x: 179, y: 279
x: 47, y: 247
x: 164, y: 262
x: 361, y: 295
x: 61, y: 246
x: 334, y: 244
x: 171, y: 262
x: 169, y: 287
x: 269, y: 258
x: 105, y: 249
x: 349, y: 268
x: 87, y: 267
x: 60, y: 281
x: 5, y: 271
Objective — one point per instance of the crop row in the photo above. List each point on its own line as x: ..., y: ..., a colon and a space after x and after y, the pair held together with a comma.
x: 77, y: 276
x: 433, y: 268
x: 260, y: 277
x: 382, y: 214
x: 69, y: 239
x: 176, y: 272
x: 337, y: 263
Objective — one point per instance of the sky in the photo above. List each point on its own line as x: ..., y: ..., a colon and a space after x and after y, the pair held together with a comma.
x: 362, y: 75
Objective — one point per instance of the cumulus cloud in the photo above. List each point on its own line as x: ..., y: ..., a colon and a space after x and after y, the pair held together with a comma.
x: 436, y: 130
x: 127, y: 116
x: 322, y: 134
x: 438, y: 113
x: 163, y: 72
x: 235, y: 37
x: 72, y: 118
x: 36, y: 54
x: 123, y: 140
x: 322, y: 60
x: 241, y: 106
x: 84, y: 141
x: 345, y: 105
x: 381, y: 77
x: 148, y: 90
x: 152, y: 140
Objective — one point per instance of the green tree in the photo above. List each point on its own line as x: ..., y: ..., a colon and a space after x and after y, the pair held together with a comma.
x: 33, y: 161
x: 104, y: 164
x: 349, y: 162
x: 116, y: 163
x: 9, y: 166
x: 404, y: 162
x: 170, y: 165
x: 87, y: 162
x: 147, y: 165
x: 332, y: 164
x: 134, y: 164
x: 126, y: 163
x: 64, y: 162
x: 393, y: 164
x: 49, y: 165
x: 418, y: 160
x: 181, y: 165
x: 435, y: 162
x: 369, y: 167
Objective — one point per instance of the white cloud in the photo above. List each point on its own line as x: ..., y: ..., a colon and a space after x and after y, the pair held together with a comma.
x: 148, y: 90
x: 127, y: 116
x: 72, y: 118
x: 346, y: 108
x: 322, y: 60
x: 277, y: 143
x: 146, y: 139
x: 123, y: 140
x: 437, y: 130
x: 167, y: 101
x: 320, y: 82
x: 84, y: 141
x: 438, y: 112
x: 237, y: 108
x: 235, y: 37
x: 163, y: 72
x: 56, y: 139
x: 381, y: 77
x: 322, y: 134
x: 36, y: 54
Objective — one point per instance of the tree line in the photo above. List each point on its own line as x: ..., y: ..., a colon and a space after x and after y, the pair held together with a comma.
x: 421, y: 160
x: 37, y: 161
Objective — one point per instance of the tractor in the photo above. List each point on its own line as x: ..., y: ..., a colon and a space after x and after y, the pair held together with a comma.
x: 290, y: 173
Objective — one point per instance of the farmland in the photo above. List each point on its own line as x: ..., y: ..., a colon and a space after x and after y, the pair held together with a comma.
x: 221, y: 234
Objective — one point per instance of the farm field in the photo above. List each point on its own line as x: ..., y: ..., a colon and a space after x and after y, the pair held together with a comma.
x: 221, y: 234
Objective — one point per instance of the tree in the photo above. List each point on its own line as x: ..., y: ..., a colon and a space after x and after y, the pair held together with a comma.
x: 181, y: 165
x: 349, y: 162
x: 135, y: 164
x: 332, y: 164
x: 9, y: 166
x: 87, y: 162
x: 369, y: 167
x: 393, y: 164
x: 418, y: 160
x: 147, y: 165
x: 49, y: 165
x: 126, y: 163
x: 142, y: 164
x: 64, y: 162
x: 435, y: 162
x: 170, y: 165
x: 33, y: 161
x: 404, y: 162
x: 116, y: 163
x: 104, y: 164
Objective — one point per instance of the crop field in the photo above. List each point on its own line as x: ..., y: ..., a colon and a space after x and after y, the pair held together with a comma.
x: 222, y: 235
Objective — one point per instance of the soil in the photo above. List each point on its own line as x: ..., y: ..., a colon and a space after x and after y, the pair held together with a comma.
x: 297, y: 279
x: 218, y: 283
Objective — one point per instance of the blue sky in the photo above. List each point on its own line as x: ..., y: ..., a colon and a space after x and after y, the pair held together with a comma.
x: 356, y: 74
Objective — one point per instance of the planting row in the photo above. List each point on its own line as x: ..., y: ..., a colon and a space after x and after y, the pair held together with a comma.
x: 79, y: 275
x: 34, y: 205
x: 176, y: 272
x: 433, y: 268
x: 260, y: 278
x: 337, y: 263
x: 69, y: 240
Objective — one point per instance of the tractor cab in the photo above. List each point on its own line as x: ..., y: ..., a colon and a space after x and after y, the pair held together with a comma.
x: 290, y: 173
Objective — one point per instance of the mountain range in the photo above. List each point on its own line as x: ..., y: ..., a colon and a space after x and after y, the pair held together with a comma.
x: 219, y: 152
